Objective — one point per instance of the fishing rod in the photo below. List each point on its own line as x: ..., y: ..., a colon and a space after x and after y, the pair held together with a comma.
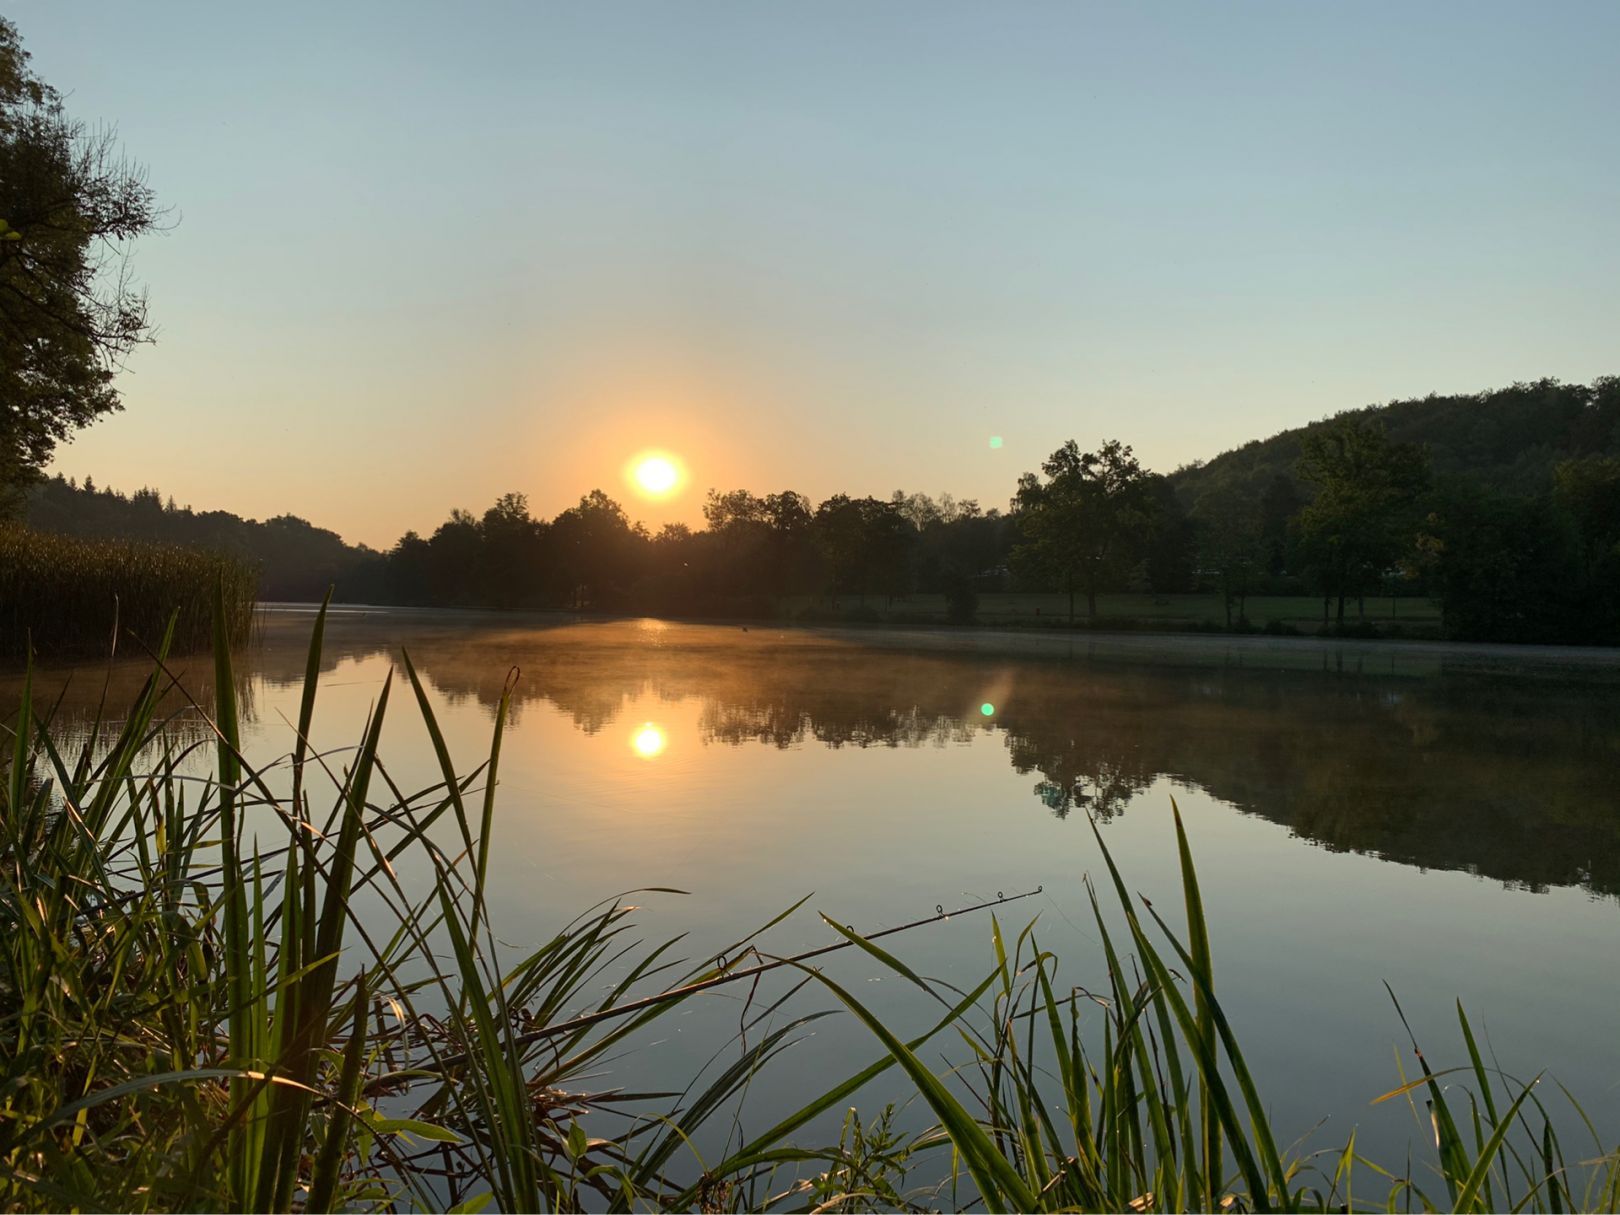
x: 733, y: 976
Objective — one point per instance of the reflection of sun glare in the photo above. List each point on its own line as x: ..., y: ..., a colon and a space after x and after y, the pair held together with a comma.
x: 649, y: 741
x: 655, y: 474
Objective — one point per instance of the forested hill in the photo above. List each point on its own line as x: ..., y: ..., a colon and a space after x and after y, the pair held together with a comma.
x: 1511, y: 438
x: 295, y: 559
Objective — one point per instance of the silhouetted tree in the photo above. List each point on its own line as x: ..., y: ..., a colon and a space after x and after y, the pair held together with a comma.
x: 513, y: 558
x: 70, y: 206
x: 1364, y: 515
x: 865, y: 543
x: 1088, y: 524
x: 1588, y: 490
x: 1231, y: 542
x: 1279, y: 504
x: 596, y: 549
x: 1504, y: 566
x: 1172, y: 544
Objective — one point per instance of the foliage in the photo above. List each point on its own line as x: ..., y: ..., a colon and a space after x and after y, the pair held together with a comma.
x: 1365, y: 511
x: 194, y: 1016
x: 1088, y: 523
x: 1503, y: 566
x: 1232, y: 542
x: 60, y: 595
x: 1512, y: 438
x: 1350, y: 514
x: 70, y: 207
x: 295, y: 561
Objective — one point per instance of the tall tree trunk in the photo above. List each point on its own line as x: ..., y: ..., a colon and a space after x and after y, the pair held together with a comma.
x: 1071, y: 601
x: 1091, y: 602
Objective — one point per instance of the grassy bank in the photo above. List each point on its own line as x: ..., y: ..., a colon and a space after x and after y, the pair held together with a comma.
x: 278, y: 988
x: 1409, y: 616
x: 67, y: 596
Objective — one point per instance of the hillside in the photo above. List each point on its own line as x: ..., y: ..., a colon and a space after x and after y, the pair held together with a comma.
x: 1511, y: 438
x: 295, y: 560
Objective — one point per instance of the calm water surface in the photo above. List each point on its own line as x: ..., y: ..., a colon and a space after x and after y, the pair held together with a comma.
x: 1443, y: 819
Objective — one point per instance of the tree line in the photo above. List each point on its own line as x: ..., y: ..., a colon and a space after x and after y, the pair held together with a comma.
x: 1361, y: 515
x: 1503, y: 506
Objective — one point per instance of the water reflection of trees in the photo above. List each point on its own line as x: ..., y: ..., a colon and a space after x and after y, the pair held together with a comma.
x: 1510, y: 778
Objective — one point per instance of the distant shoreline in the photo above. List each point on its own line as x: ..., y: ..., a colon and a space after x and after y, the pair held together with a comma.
x: 1034, y: 640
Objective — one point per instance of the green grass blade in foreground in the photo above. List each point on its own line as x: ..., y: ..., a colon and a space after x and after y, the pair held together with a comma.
x: 1469, y: 1191
x: 753, y: 1152
x: 1207, y: 1057
x: 234, y: 898
x: 306, y: 703
x: 323, y: 1182
x: 487, y: 819
x: 1198, y: 946
x: 999, y: 1184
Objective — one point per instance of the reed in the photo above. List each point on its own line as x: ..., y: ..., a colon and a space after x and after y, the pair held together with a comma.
x: 63, y: 595
x: 196, y: 1014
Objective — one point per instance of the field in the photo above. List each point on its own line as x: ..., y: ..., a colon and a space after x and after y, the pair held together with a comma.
x: 1414, y: 615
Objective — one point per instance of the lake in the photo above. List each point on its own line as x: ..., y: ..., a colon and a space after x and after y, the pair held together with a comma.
x: 1442, y: 819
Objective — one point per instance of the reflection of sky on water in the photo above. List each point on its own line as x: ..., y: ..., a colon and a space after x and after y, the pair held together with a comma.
x: 750, y: 769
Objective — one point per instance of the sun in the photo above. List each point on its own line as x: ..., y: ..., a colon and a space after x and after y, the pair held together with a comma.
x: 655, y: 474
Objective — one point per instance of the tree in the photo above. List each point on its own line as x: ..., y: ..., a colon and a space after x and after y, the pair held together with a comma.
x: 596, y: 549
x: 866, y: 544
x: 1588, y: 490
x: 513, y: 557
x: 1231, y: 540
x: 1088, y: 523
x: 1171, y: 547
x: 70, y: 206
x: 1503, y: 566
x: 1278, y: 505
x: 1364, y: 515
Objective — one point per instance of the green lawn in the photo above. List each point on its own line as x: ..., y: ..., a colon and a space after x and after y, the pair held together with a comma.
x: 1303, y: 612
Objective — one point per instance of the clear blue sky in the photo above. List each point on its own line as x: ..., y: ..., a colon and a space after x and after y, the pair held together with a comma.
x: 427, y: 253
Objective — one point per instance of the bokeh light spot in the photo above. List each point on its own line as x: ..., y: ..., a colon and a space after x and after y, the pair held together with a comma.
x: 995, y: 442
x: 988, y: 709
x: 649, y: 741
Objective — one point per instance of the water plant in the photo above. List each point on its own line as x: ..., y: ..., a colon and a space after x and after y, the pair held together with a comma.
x: 69, y: 595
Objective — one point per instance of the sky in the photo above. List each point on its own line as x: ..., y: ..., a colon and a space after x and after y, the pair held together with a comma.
x: 421, y: 255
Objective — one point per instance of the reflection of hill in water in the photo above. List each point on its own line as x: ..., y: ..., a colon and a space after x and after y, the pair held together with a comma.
x: 1509, y: 778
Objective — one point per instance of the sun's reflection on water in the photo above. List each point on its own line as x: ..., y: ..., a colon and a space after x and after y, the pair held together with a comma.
x: 649, y: 741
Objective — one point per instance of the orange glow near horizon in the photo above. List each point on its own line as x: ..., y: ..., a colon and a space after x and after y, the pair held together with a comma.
x: 655, y: 475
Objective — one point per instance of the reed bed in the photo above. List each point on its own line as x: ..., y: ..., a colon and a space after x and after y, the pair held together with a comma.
x: 63, y: 595
x: 195, y: 1014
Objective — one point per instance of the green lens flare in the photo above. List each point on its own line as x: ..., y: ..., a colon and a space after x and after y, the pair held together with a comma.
x: 987, y: 709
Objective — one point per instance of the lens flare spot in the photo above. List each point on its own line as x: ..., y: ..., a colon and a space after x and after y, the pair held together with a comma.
x: 649, y: 741
x: 995, y: 442
x: 988, y: 709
